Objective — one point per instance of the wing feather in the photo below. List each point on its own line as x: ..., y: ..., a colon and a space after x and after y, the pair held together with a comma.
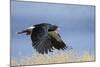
x: 44, y: 41
x: 56, y: 40
x: 41, y: 40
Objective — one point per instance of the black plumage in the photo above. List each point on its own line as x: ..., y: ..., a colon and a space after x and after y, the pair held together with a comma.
x: 45, y: 38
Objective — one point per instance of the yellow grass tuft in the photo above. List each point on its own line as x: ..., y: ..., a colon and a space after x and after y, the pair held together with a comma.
x: 55, y: 57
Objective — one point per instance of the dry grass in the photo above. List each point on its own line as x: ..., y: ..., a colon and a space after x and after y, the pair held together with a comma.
x: 55, y: 57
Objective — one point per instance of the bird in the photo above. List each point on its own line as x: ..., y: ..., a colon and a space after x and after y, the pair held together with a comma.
x: 45, y: 38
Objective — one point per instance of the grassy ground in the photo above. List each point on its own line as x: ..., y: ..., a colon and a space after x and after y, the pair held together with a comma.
x: 55, y: 57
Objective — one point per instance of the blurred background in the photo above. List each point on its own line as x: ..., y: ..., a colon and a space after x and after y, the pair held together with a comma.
x: 76, y: 23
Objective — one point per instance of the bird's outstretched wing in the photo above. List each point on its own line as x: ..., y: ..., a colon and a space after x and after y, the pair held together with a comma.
x: 56, y: 40
x: 41, y: 41
x: 44, y: 41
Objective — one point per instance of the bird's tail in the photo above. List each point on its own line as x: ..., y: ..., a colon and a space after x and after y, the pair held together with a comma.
x: 23, y: 31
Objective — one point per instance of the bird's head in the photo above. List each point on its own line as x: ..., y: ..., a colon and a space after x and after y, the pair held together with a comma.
x: 28, y: 31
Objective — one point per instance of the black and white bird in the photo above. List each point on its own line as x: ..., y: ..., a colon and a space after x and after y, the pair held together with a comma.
x: 45, y: 38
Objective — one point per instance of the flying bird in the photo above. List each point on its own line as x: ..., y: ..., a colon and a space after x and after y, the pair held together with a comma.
x: 45, y: 38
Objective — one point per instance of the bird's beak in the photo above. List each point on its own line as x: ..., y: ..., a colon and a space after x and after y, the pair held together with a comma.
x: 58, y: 28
